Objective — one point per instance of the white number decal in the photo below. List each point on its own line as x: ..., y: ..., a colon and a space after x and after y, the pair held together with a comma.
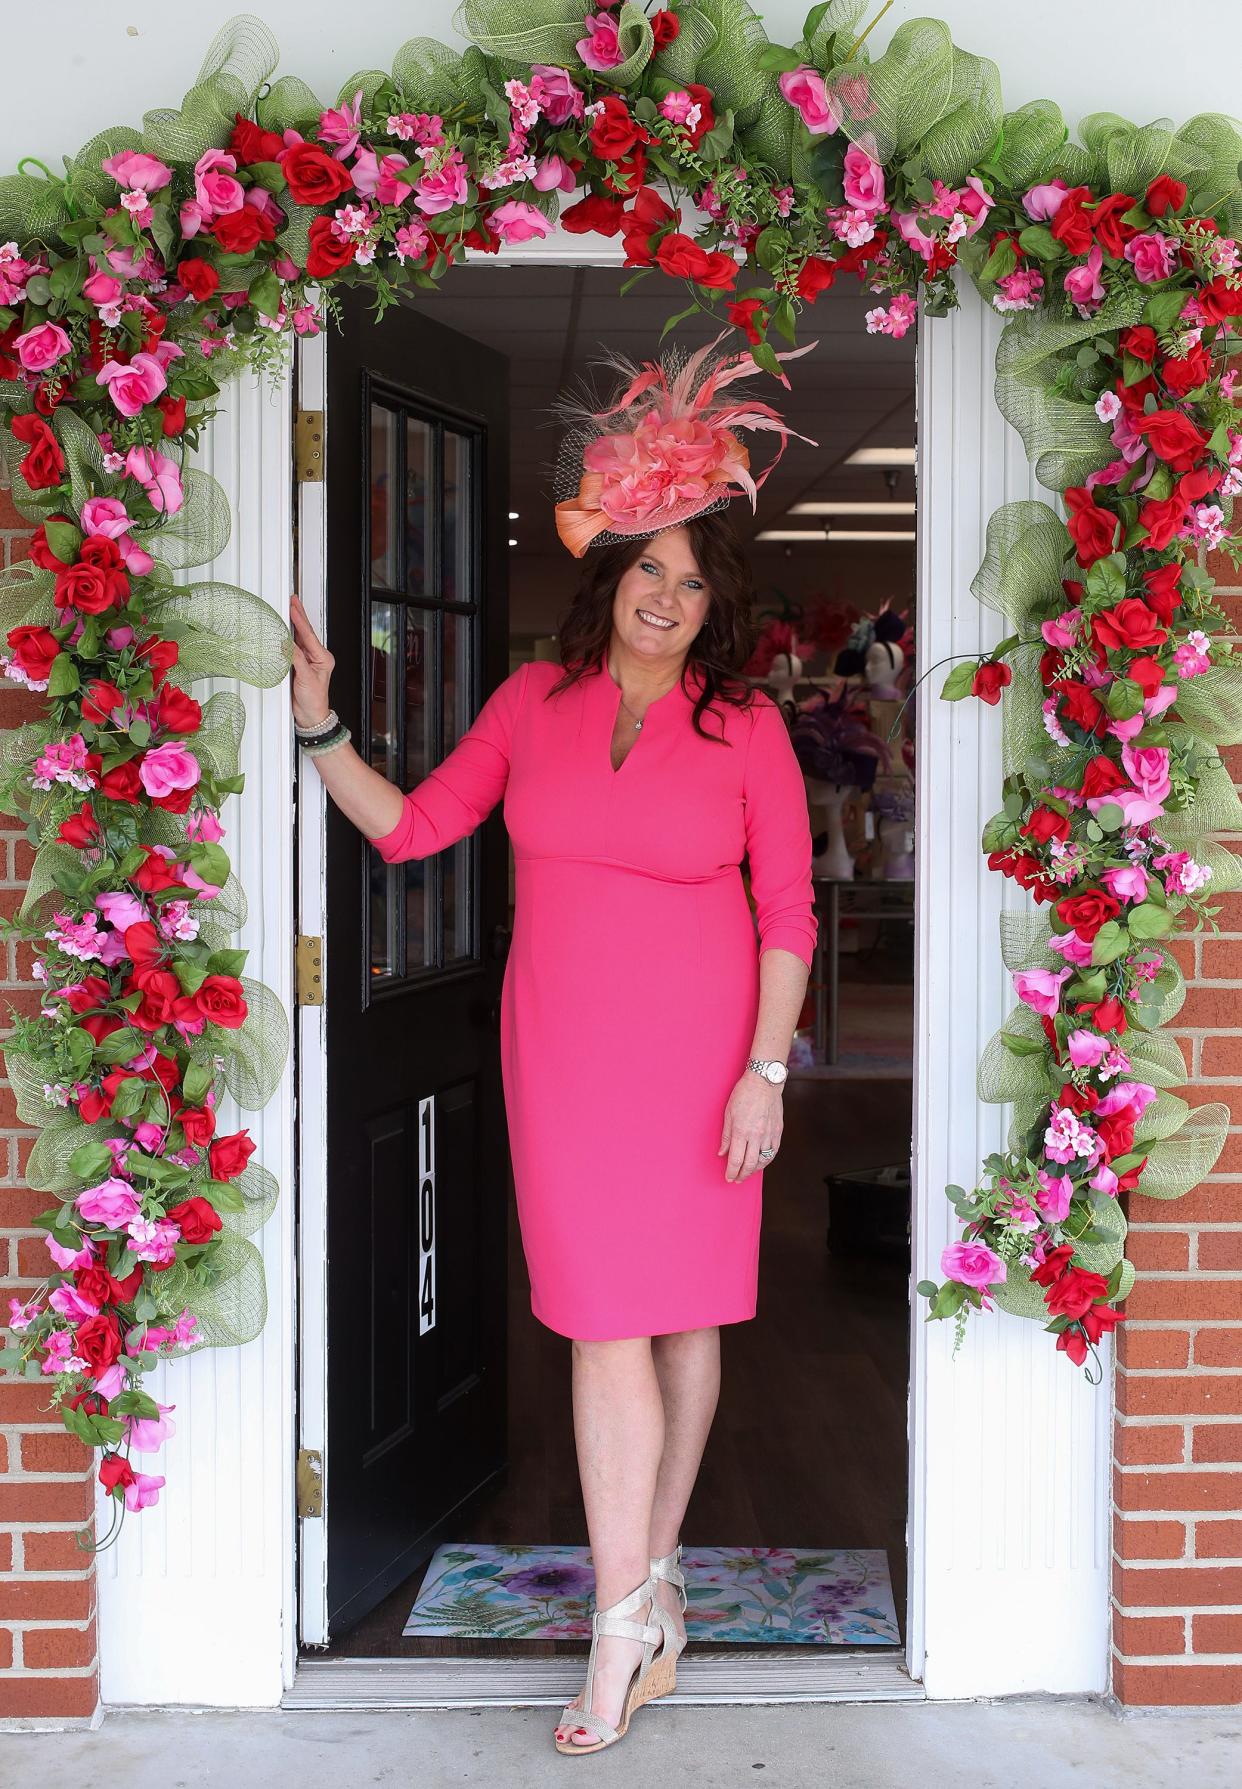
x: 426, y: 1215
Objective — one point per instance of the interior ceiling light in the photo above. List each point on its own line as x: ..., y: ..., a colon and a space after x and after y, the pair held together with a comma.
x: 818, y: 535
x: 513, y: 515
x: 512, y: 541
x: 881, y: 456
x: 831, y: 507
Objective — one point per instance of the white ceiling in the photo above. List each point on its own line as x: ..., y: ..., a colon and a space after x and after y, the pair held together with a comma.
x: 852, y: 390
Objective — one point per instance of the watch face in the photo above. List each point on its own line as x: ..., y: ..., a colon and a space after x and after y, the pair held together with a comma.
x: 776, y: 1072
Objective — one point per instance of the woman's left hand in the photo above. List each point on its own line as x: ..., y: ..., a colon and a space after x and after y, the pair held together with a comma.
x: 754, y: 1119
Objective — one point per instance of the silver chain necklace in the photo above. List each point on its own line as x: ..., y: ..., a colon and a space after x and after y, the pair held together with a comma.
x: 621, y: 697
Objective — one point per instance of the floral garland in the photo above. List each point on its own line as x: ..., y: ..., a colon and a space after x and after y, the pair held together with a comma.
x: 165, y: 259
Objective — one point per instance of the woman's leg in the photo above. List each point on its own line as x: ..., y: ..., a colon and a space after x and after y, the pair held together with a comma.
x: 687, y: 1367
x: 620, y: 1434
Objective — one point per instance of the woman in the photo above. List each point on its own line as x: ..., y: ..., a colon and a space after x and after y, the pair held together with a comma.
x: 644, y: 1029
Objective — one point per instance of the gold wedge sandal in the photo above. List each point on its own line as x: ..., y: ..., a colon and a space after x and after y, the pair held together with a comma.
x: 655, y: 1676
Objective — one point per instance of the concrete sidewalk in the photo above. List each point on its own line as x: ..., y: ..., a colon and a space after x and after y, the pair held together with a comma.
x: 1037, y: 1743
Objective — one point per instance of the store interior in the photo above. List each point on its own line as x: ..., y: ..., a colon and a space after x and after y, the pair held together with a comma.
x: 800, y: 1510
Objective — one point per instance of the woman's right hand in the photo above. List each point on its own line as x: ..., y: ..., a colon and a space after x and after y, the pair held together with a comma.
x: 312, y: 669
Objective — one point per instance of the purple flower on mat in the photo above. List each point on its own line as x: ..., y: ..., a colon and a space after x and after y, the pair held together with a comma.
x: 540, y: 1581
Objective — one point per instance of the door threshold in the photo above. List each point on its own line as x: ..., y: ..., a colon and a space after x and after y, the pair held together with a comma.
x: 822, y: 1676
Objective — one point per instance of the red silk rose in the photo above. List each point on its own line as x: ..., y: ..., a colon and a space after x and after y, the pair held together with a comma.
x: 199, y: 277
x: 1129, y: 626
x: 228, y: 1156
x: 327, y: 253
x: 34, y: 649
x: 989, y: 680
x: 1174, y: 437
x: 98, y: 1341
x: 1163, y: 195
x: 314, y: 176
x: 249, y: 142
x: 196, y: 1218
x: 598, y: 213
x: 219, y: 999
x: 1085, y: 913
x: 240, y: 231
x: 44, y: 464
x: 613, y: 132
x: 664, y: 28
x: 1092, y: 529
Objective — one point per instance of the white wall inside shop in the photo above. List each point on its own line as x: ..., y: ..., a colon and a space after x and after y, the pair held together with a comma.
x: 102, y: 65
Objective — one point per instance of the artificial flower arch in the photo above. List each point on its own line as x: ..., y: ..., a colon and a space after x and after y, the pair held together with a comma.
x: 166, y: 258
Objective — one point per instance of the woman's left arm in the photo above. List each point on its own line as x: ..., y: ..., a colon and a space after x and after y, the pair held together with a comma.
x: 778, y: 846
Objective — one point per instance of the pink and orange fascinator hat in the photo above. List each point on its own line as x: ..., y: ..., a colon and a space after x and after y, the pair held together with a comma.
x: 665, y: 450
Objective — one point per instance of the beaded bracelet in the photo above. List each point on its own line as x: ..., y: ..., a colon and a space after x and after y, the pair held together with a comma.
x: 318, y: 729
x: 316, y: 748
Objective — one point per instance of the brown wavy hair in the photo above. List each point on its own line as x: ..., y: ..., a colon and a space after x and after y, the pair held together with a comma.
x: 718, y: 651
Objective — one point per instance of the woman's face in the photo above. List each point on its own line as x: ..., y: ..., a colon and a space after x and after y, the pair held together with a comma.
x: 662, y: 600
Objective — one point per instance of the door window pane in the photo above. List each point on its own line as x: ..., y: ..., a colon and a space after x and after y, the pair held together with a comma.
x: 419, y: 756
x: 459, y: 862
x: 418, y: 506
x: 458, y: 503
x: 382, y: 756
x: 383, y: 484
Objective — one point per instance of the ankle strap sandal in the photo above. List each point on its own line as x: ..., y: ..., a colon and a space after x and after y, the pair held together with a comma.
x: 656, y: 1674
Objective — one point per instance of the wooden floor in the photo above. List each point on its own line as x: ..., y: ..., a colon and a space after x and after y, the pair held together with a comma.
x: 809, y: 1444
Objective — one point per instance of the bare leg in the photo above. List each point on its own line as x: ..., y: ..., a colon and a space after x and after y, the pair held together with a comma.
x: 688, y: 1369
x: 619, y: 1431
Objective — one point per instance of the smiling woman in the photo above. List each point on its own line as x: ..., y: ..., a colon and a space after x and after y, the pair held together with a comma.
x: 172, y: 255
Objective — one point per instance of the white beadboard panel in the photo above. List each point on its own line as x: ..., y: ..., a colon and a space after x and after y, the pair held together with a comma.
x: 196, y: 1599
x: 1009, y: 1444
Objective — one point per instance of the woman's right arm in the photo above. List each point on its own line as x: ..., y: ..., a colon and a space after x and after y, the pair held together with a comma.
x: 448, y: 804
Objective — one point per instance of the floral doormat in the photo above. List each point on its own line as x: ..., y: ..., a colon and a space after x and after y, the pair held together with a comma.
x: 737, y: 1595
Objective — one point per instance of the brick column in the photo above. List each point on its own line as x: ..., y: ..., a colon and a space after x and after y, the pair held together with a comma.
x: 49, y: 1665
x: 1177, y: 1451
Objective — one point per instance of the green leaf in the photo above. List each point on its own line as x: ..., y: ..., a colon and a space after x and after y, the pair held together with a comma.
x: 1110, y: 942
x: 211, y: 861
x: 1164, y: 308
x: 1124, y: 698
x: 62, y: 677
x: 959, y: 682
x: 1149, y: 921
x: 195, y: 1082
x: 1111, y: 817
x: 64, y: 538
x: 264, y: 293
x: 927, y: 1288
x: 271, y: 176
x: 222, y: 1194
x: 1022, y: 1046
x: 764, y: 355
x: 771, y: 246
x: 777, y: 60
x: 680, y: 317
x: 949, y: 1299
x: 1038, y: 240
x: 227, y: 962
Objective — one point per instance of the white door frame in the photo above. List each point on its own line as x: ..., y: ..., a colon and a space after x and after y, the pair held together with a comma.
x: 1008, y: 1542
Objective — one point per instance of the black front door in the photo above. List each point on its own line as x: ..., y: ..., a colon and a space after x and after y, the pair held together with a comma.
x: 417, y: 457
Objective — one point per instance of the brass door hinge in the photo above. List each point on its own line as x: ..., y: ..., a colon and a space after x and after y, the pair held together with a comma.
x: 308, y: 447
x: 309, y: 1478
x: 309, y: 967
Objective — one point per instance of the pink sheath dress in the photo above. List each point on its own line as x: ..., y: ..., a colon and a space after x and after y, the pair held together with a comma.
x: 632, y: 983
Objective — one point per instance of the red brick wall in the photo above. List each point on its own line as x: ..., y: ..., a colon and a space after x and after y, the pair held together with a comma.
x: 1177, y: 1450
x: 48, y: 1652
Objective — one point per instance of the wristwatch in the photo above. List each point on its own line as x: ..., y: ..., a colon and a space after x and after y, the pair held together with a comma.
x: 775, y: 1072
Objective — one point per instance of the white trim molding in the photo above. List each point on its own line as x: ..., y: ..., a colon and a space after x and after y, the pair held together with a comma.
x: 196, y: 1597
x: 1009, y: 1445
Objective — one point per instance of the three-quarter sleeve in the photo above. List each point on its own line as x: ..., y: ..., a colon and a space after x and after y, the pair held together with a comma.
x: 778, y: 837
x: 459, y: 794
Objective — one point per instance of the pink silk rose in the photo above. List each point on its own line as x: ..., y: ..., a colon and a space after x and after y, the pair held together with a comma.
x: 158, y: 476
x: 168, y: 768
x: 972, y: 1264
x: 806, y: 92
x: 133, y: 384
x: 41, y: 347
x: 515, y: 221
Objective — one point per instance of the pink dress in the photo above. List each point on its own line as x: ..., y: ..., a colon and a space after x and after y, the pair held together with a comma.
x: 631, y: 988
